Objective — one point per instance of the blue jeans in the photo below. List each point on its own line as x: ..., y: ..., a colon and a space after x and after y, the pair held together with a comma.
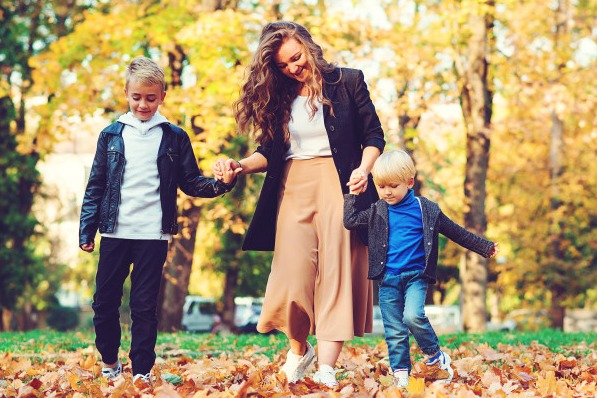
x: 402, y: 305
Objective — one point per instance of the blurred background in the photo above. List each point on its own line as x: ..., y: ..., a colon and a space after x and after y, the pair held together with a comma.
x: 494, y: 99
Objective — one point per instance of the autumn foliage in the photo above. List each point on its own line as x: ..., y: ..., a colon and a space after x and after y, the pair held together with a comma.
x: 480, y: 371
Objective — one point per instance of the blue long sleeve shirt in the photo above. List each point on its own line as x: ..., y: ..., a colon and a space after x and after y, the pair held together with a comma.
x: 405, y: 240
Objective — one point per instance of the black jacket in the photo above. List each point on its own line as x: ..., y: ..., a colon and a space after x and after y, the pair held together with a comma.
x: 354, y: 126
x: 435, y: 222
x: 177, y: 167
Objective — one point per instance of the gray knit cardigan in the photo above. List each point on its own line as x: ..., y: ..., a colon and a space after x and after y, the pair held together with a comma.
x: 435, y: 222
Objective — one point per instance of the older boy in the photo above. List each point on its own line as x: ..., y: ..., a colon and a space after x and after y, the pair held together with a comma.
x: 403, y: 250
x: 139, y: 163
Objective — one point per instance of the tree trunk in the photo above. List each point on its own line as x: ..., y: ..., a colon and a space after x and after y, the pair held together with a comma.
x: 557, y: 286
x: 230, y: 282
x: 476, y: 100
x: 177, y: 272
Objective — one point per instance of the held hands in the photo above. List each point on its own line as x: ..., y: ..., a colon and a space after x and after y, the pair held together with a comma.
x: 226, y: 170
x: 358, y: 181
x: 494, y: 251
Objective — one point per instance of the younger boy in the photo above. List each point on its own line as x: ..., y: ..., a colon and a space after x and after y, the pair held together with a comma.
x: 139, y: 163
x: 403, y: 249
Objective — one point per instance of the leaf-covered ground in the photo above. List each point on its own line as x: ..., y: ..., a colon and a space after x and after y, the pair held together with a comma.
x: 505, y: 370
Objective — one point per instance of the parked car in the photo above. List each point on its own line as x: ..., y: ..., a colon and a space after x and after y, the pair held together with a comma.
x: 377, y: 321
x: 199, y: 314
x: 443, y: 318
x: 529, y: 319
x: 246, y: 313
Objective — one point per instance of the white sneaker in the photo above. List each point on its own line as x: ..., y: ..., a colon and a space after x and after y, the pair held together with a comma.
x: 112, y: 373
x: 401, y: 378
x: 326, y: 375
x: 145, y: 377
x: 296, y: 365
x: 443, y: 362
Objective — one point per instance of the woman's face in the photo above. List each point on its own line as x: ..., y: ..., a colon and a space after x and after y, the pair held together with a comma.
x: 291, y: 59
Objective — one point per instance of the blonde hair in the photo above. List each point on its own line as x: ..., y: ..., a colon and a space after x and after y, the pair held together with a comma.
x: 395, y: 166
x: 266, y: 97
x: 145, y: 71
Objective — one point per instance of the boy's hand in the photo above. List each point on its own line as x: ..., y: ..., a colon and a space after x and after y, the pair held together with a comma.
x: 218, y: 169
x: 88, y: 247
x: 352, y: 190
x: 358, y: 181
x: 494, y: 251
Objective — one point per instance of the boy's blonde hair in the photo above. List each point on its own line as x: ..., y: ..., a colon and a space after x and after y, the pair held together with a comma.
x: 146, y: 72
x: 393, y: 166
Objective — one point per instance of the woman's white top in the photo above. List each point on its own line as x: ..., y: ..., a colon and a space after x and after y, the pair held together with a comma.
x: 308, y: 137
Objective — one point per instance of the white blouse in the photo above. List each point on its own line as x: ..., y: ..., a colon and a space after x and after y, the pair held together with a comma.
x: 308, y: 137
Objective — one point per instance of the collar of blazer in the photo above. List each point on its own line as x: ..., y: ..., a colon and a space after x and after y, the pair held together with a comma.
x: 331, y: 81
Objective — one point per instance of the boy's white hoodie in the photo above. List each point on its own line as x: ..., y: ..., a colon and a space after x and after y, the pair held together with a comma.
x: 140, y: 212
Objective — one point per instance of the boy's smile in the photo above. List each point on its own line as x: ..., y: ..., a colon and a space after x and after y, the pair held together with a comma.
x: 144, y: 99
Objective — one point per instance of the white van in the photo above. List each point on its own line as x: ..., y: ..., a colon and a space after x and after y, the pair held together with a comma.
x: 443, y: 318
x: 246, y: 313
x: 198, y: 314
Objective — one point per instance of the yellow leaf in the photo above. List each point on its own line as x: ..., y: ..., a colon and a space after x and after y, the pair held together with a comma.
x: 88, y: 362
x: 73, y: 380
x: 547, y: 385
x: 32, y: 372
x: 416, y: 386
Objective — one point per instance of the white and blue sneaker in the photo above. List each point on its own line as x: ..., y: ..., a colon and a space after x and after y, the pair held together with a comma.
x: 443, y: 361
x: 401, y: 378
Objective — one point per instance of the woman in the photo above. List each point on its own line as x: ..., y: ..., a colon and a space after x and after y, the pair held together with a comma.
x: 318, y: 134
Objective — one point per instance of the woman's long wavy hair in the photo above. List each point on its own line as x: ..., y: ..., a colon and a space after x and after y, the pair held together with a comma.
x: 266, y: 97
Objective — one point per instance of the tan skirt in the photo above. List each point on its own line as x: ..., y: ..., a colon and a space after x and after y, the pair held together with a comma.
x: 318, y: 281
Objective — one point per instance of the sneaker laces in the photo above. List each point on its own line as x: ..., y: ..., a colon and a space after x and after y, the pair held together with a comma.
x: 145, y: 377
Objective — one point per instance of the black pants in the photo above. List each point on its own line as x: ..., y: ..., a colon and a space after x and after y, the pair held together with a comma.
x: 115, y: 259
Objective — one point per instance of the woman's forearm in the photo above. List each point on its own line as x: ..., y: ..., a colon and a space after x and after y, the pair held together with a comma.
x: 370, y: 155
x: 255, y: 163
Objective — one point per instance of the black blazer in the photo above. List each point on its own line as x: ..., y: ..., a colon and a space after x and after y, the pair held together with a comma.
x: 354, y: 126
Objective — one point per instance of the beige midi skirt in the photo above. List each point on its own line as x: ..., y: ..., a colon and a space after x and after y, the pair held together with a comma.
x: 318, y: 281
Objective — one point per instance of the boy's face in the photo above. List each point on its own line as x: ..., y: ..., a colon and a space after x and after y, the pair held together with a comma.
x: 394, y: 192
x: 144, y: 99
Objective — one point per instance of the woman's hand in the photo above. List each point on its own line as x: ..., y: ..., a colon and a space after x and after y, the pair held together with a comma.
x: 358, y: 181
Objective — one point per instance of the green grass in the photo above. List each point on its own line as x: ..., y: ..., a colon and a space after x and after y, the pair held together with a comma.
x: 42, y: 342
x: 555, y: 340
